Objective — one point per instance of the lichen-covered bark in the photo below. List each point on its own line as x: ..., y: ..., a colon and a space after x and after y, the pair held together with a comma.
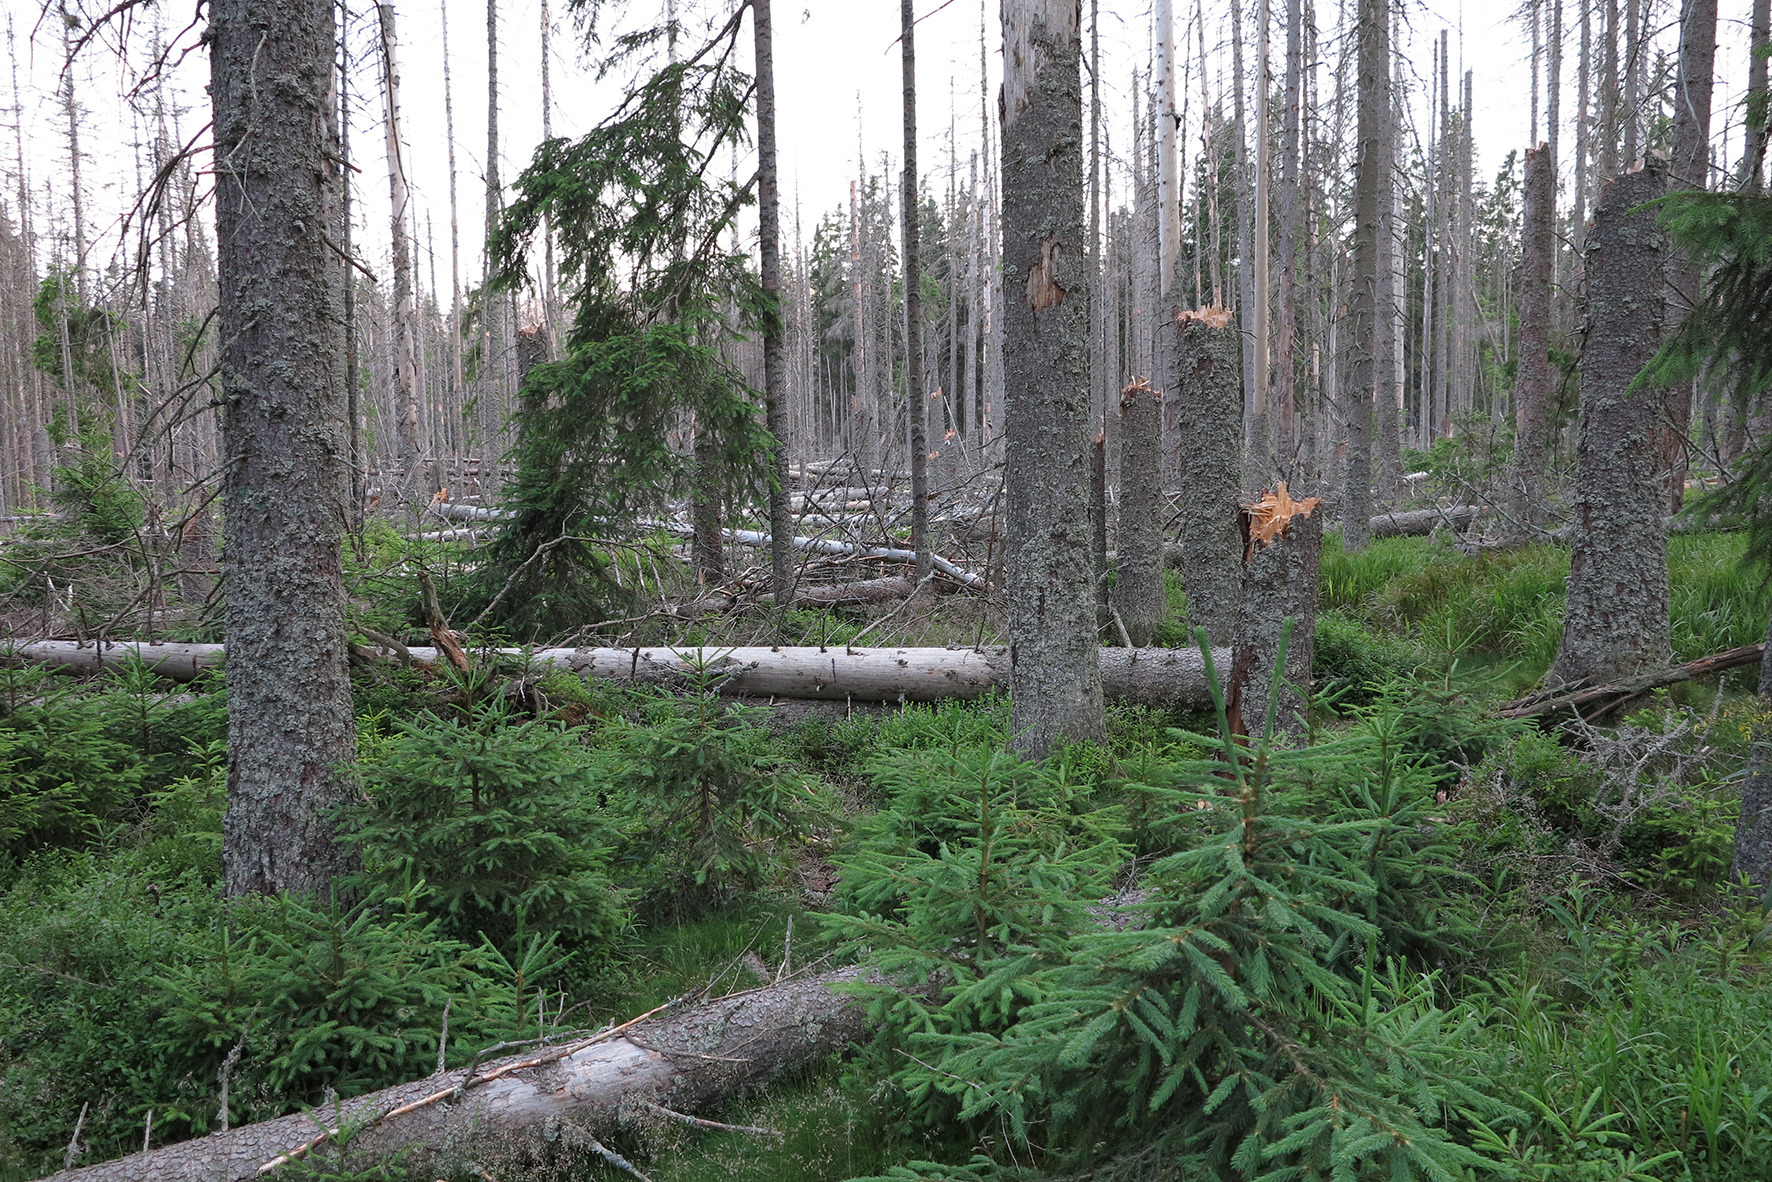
x: 1279, y: 583
x: 291, y: 732
x: 1050, y: 586
x: 1209, y: 389
x: 1532, y: 388
x: 1617, y: 619
x: 1753, y: 831
x: 1138, y: 580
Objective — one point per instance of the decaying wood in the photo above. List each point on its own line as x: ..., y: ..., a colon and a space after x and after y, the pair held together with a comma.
x: 685, y: 1059
x: 746, y: 537
x: 1146, y: 676
x: 1594, y: 702
x: 1282, y: 550
x: 1415, y: 523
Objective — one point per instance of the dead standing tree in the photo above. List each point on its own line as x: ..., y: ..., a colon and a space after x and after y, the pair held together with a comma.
x: 1209, y: 390
x: 1056, y: 683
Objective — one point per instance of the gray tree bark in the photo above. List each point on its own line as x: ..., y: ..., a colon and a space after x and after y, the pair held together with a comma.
x: 1209, y: 390
x: 1690, y: 169
x: 916, y: 397
x: 1532, y: 386
x: 1753, y: 832
x: 1056, y: 683
x: 1138, y: 581
x: 1283, y: 399
x: 405, y: 342
x: 291, y: 730
x: 1373, y: 88
x: 1279, y: 584
x: 684, y: 1061
x: 1617, y: 618
x: 775, y: 412
x: 1753, y: 155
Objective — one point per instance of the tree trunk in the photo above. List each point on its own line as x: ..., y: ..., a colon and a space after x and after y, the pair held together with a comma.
x: 1210, y: 395
x: 1138, y: 582
x: 709, y: 549
x: 1753, y: 832
x: 1617, y: 619
x: 1373, y: 88
x: 1056, y: 686
x: 1145, y: 676
x: 683, y: 1061
x: 1689, y: 169
x: 405, y: 342
x: 291, y: 731
x: 1279, y: 584
x: 769, y: 245
x: 916, y: 397
x: 1753, y: 156
x: 1532, y: 387
x: 1285, y: 384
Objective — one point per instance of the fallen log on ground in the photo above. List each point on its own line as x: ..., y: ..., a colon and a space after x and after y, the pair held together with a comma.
x: 1415, y: 523
x: 687, y: 1058
x: 1594, y: 702
x: 750, y: 537
x: 1144, y: 676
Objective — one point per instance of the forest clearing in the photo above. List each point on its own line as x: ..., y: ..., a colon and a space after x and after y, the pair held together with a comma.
x: 1185, y: 633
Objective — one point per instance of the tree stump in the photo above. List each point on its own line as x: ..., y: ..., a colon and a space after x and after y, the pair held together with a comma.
x: 1282, y: 549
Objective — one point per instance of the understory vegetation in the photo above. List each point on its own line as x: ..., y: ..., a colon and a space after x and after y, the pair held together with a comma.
x: 1429, y: 944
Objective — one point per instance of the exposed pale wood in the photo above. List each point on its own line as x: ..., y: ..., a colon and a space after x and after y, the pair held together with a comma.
x: 1148, y: 676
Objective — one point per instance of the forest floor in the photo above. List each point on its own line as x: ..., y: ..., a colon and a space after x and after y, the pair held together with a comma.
x: 1588, y: 947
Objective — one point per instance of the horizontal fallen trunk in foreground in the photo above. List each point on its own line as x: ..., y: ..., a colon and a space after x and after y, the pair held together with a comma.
x: 684, y: 1059
x: 1142, y: 676
x: 1594, y: 702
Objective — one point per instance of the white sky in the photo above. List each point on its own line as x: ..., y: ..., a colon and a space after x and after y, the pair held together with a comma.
x: 838, y: 84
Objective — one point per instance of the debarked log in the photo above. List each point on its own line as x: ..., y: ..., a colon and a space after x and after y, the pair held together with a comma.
x: 1143, y: 676
x: 687, y: 1058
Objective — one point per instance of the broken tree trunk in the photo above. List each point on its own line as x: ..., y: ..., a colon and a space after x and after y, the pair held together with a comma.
x: 1145, y: 676
x: 1416, y: 523
x: 1283, y: 545
x: 1209, y: 388
x: 683, y: 1060
x: 1138, y: 583
x: 1595, y: 702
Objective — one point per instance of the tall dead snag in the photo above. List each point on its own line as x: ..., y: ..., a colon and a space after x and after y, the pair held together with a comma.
x: 1532, y: 388
x: 1374, y: 109
x: 405, y: 341
x: 1283, y: 546
x: 1689, y: 169
x: 1209, y: 390
x: 775, y: 409
x: 916, y: 399
x: 1138, y: 581
x: 291, y: 732
x: 1617, y: 619
x: 1055, y: 683
x: 1753, y: 831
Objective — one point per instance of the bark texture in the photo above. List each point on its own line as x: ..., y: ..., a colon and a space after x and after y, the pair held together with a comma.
x: 1209, y: 389
x: 683, y: 1060
x: 1753, y: 831
x: 1374, y: 108
x: 916, y: 400
x: 1532, y: 388
x: 1138, y: 580
x: 291, y: 731
x: 1616, y: 623
x: 1689, y: 169
x: 1056, y: 690
x: 1279, y: 583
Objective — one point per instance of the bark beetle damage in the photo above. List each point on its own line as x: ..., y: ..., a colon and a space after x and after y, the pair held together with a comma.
x: 1043, y: 287
x: 1267, y: 518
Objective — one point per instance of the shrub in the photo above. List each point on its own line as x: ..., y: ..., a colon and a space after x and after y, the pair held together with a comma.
x: 505, y: 821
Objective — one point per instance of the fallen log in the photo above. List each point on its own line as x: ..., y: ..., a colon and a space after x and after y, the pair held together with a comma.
x: 749, y: 537
x: 1415, y: 523
x: 687, y: 1058
x: 1594, y: 702
x: 470, y: 512
x: 1145, y: 676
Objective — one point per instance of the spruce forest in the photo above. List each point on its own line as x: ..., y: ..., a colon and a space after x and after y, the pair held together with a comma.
x: 1200, y: 608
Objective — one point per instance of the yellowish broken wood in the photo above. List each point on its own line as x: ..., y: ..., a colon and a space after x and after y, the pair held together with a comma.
x: 1268, y: 517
